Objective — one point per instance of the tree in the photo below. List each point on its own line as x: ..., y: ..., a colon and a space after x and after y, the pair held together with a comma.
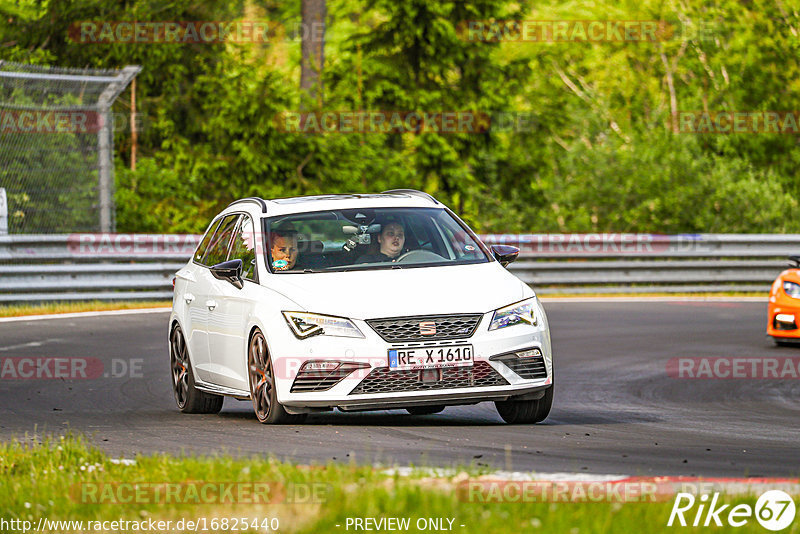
x: 314, y: 13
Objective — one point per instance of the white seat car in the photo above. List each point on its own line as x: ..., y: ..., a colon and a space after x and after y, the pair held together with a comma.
x: 355, y: 302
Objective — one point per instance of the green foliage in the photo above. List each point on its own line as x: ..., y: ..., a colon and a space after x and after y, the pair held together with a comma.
x: 155, y: 197
x: 601, y: 155
x: 68, y: 479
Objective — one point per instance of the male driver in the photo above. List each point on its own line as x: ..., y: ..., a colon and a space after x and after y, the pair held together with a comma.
x: 284, y: 249
x: 391, y: 240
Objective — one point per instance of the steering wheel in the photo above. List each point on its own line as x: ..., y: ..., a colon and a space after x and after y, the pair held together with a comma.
x: 420, y: 256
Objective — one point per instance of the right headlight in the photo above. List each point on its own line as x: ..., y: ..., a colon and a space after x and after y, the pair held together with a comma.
x: 792, y: 289
x: 520, y: 313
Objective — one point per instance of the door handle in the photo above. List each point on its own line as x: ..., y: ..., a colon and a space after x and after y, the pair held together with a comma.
x: 188, y: 297
x: 211, y: 304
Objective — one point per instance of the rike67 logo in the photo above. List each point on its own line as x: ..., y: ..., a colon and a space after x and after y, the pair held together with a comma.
x: 774, y: 510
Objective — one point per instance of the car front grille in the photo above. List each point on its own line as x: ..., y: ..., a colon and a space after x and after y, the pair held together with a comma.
x: 527, y: 368
x: 311, y: 381
x: 384, y: 380
x: 404, y: 329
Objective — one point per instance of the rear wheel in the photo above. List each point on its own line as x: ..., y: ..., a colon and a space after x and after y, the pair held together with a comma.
x: 187, y: 396
x: 526, y: 411
x: 424, y: 410
x: 262, y: 384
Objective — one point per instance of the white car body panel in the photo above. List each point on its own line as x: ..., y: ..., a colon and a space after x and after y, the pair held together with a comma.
x: 372, y: 294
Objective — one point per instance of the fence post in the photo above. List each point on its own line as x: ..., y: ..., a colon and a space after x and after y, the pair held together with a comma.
x: 104, y: 149
x: 104, y: 170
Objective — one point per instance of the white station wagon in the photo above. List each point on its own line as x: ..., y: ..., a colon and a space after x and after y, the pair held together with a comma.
x: 356, y: 302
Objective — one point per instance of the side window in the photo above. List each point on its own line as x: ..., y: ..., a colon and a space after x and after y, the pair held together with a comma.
x: 244, y: 248
x: 218, y: 248
x: 201, y: 250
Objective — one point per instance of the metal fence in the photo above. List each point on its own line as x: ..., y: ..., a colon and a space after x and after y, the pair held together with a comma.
x: 56, y: 146
x: 129, y: 267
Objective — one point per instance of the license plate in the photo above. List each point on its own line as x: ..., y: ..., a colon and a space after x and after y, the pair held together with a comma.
x: 439, y: 357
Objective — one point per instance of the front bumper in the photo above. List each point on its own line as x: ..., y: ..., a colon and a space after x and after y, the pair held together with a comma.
x: 779, y: 312
x: 488, y: 380
x: 448, y: 398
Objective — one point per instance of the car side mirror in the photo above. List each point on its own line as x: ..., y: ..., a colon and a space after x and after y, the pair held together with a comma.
x: 505, y: 254
x: 230, y: 271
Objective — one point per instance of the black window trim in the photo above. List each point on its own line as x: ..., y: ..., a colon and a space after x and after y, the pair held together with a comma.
x: 242, y: 215
x: 213, y: 226
x: 238, y: 214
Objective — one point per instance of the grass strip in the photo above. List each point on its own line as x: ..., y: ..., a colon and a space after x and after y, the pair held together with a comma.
x: 66, y: 478
x: 48, y: 308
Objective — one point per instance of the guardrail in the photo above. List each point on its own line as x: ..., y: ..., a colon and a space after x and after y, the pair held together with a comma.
x: 141, y: 266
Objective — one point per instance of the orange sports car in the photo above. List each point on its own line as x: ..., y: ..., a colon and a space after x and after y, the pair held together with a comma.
x: 783, y: 313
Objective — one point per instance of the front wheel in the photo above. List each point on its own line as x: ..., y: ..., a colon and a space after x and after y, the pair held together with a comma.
x: 526, y: 411
x: 189, y: 398
x: 262, y: 384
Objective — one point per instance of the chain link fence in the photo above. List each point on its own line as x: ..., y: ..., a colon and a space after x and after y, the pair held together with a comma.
x: 56, y: 147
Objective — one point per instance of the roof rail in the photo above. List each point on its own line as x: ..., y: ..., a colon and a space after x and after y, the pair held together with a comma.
x: 259, y: 201
x: 412, y: 192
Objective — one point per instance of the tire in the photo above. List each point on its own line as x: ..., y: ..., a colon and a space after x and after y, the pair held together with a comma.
x: 424, y: 410
x: 262, y: 385
x: 527, y: 411
x: 188, y: 398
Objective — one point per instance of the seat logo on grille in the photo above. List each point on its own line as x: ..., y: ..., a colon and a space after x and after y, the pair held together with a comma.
x: 427, y: 328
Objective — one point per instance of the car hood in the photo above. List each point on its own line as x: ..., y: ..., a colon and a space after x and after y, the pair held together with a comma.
x: 475, y: 288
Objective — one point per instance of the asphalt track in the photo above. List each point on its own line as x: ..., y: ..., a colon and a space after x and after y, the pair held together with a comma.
x: 616, y: 409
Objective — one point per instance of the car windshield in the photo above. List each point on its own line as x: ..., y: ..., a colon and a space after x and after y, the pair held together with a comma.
x: 369, y: 239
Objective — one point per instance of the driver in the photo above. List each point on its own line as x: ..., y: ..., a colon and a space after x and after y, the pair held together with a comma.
x: 391, y: 240
x: 284, y: 249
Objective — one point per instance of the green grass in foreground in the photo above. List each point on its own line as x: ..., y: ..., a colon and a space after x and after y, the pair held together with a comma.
x: 44, y: 480
x: 18, y: 310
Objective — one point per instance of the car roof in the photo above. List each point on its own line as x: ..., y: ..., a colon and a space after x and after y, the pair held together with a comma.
x: 402, y: 198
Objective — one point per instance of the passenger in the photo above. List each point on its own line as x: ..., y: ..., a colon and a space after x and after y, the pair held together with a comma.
x: 284, y: 249
x: 391, y: 240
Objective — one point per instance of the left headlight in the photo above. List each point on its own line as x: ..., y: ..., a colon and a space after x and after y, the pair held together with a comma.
x: 520, y: 313
x: 304, y: 325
